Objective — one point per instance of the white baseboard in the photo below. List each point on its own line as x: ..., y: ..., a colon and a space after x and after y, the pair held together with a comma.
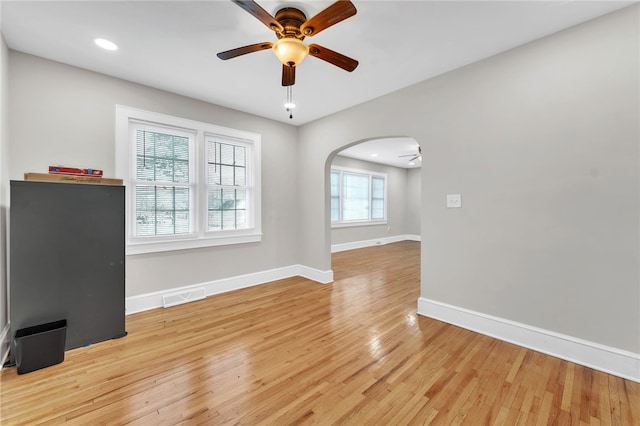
x: 323, y: 277
x: 4, y: 344
x: 335, y: 248
x: 145, y: 302
x: 590, y: 354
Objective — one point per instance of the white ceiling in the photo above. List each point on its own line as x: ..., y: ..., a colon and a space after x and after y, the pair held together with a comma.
x: 397, y: 152
x: 171, y: 45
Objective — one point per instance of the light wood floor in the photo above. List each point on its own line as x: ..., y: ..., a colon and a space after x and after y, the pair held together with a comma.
x: 297, y: 352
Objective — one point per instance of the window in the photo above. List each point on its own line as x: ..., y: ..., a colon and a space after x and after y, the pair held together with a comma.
x: 357, y: 197
x: 189, y: 184
x: 226, y: 186
x: 161, y: 183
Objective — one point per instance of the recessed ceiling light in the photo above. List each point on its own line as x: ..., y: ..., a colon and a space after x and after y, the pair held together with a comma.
x: 412, y: 163
x: 105, y: 44
x: 374, y: 155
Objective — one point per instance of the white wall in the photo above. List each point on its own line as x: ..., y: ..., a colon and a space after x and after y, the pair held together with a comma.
x: 65, y: 115
x: 4, y: 197
x: 397, y: 195
x: 543, y: 144
x: 414, y: 197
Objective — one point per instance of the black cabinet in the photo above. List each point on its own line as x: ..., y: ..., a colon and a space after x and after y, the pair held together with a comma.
x: 67, y: 259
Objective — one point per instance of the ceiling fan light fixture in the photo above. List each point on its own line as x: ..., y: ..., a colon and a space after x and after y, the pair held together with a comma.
x: 290, y: 51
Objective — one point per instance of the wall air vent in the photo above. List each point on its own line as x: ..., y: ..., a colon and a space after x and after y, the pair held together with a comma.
x: 174, y: 299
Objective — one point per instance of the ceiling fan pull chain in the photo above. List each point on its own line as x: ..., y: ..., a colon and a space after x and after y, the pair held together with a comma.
x: 289, y: 105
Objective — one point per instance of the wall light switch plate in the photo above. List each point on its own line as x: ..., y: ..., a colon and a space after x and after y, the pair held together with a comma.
x: 454, y: 201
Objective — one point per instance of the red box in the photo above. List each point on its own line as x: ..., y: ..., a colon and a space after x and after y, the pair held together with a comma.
x: 74, y: 171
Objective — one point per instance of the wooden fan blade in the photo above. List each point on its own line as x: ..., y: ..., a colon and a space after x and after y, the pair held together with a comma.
x: 288, y: 75
x: 263, y: 16
x: 244, y: 50
x: 332, y: 57
x: 338, y: 11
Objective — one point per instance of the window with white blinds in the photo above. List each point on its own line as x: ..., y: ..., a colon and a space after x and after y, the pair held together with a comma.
x: 162, y: 182
x: 189, y: 184
x: 227, y: 190
x: 357, y: 197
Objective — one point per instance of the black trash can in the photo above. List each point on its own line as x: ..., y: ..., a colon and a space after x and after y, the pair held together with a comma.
x: 40, y: 346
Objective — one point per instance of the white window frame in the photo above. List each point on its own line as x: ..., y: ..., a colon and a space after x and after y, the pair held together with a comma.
x: 340, y: 223
x: 199, y: 236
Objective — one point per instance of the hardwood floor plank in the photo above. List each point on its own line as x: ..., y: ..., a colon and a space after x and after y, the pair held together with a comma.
x: 353, y: 352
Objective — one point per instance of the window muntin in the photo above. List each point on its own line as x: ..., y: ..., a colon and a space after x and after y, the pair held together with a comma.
x: 189, y: 184
x: 357, y: 196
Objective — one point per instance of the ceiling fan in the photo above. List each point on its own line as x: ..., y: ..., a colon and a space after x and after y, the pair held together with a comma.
x: 291, y: 27
x: 415, y: 156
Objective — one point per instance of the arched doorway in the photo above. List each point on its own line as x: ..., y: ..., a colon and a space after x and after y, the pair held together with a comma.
x: 374, y: 193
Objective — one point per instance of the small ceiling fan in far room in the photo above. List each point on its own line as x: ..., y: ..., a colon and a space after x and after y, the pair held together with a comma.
x: 291, y: 27
x: 415, y: 156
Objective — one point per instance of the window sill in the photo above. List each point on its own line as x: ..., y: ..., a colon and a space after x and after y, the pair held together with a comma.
x: 138, y: 247
x: 358, y: 223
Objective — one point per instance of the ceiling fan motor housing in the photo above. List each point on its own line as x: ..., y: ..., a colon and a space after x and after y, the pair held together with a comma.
x: 291, y: 19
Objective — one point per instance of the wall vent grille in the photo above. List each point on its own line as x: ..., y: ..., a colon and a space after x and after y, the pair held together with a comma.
x: 174, y: 299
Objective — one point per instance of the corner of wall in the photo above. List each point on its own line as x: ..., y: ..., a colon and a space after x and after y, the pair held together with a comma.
x: 4, y: 198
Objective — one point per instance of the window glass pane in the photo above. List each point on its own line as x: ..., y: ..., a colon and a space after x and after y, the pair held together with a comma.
x: 215, y: 220
x: 164, y: 222
x: 355, y: 203
x: 241, y: 156
x: 227, y: 209
x: 162, y: 210
x: 226, y: 164
x: 181, y: 149
x: 164, y: 145
x: 240, y: 178
x: 215, y: 199
x: 145, y: 210
x: 161, y: 156
x: 182, y: 222
x: 335, y: 184
x: 145, y: 143
x: 181, y: 171
x: 145, y: 168
x: 335, y: 196
x: 227, y: 175
x: 164, y: 170
x: 226, y: 153
x: 377, y: 187
x: 377, y: 209
x: 213, y: 173
x: 377, y: 197
x: 241, y: 219
x: 229, y: 219
x: 241, y: 199
x: 228, y: 199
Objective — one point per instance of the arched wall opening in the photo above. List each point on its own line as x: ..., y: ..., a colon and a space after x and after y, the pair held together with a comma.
x: 397, y: 160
